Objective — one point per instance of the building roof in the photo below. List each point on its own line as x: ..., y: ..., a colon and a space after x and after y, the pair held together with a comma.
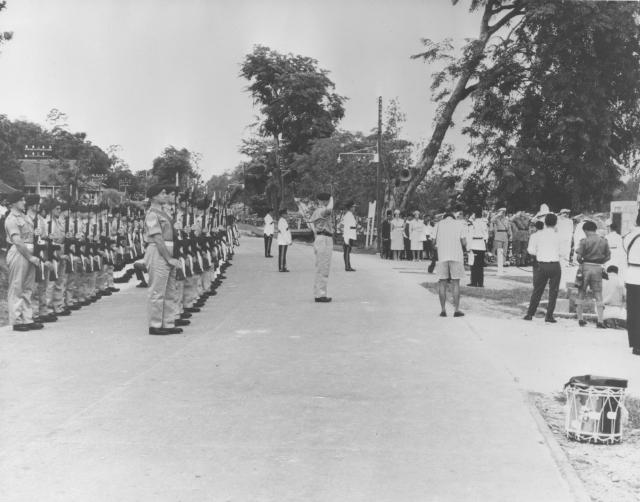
x: 5, y: 189
x: 44, y: 170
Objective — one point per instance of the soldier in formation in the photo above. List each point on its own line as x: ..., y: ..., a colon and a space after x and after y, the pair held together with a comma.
x: 189, y: 246
x: 62, y: 257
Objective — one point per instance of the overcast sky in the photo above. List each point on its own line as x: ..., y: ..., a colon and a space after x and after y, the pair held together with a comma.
x: 146, y: 74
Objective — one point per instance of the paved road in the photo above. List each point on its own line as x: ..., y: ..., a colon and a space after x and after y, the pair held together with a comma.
x: 269, y: 396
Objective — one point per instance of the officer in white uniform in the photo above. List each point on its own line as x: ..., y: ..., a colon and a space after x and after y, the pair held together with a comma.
x: 284, y: 240
x: 349, y: 225
x: 478, y: 237
x: 268, y: 233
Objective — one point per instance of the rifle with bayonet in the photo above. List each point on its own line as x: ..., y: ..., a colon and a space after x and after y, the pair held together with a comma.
x: 39, y: 248
x: 53, y: 250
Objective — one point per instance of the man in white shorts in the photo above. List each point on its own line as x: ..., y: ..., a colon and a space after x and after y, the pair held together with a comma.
x: 451, y: 244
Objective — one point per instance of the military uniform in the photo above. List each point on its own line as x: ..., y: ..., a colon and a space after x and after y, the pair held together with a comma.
x: 57, y: 288
x: 501, y: 234
x: 162, y: 276
x: 22, y: 274
x: 39, y: 301
x: 349, y: 236
x: 323, y: 247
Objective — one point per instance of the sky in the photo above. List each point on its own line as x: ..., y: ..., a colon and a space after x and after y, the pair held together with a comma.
x: 146, y: 74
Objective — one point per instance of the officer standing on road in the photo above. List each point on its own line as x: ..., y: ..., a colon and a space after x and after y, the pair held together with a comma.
x: 21, y: 264
x: 160, y: 264
x: 501, y: 233
x: 284, y: 241
x: 349, y: 234
x: 322, y: 225
x: 268, y: 233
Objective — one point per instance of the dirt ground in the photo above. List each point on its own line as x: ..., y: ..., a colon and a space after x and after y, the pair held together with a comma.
x: 610, y: 473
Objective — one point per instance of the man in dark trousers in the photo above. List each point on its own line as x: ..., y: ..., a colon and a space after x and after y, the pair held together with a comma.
x: 545, y: 247
x: 386, y: 237
x: 268, y: 231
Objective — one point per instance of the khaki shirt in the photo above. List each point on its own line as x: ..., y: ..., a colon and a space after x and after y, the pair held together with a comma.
x: 157, y: 222
x: 57, y: 229
x: 322, y: 221
x: 17, y: 223
x: 502, y: 229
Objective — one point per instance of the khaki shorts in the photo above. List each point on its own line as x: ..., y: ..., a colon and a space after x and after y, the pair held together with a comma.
x: 592, y: 277
x: 449, y: 270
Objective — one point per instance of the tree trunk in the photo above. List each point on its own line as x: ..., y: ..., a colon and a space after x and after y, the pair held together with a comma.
x: 277, y: 176
x: 460, y: 92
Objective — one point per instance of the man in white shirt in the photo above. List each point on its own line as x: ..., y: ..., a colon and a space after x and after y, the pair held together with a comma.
x: 479, y: 235
x: 545, y: 246
x: 349, y: 234
x: 451, y: 244
x: 268, y: 233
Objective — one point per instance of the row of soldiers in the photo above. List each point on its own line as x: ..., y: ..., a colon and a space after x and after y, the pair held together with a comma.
x: 64, y: 256
x: 189, y: 246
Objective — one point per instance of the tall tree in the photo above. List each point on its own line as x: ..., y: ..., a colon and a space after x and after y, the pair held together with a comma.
x: 464, y: 75
x: 5, y: 36
x: 296, y: 103
x: 10, y: 171
x: 174, y: 161
x: 560, y: 122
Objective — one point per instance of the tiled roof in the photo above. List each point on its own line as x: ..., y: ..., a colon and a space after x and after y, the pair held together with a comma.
x: 4, y: 188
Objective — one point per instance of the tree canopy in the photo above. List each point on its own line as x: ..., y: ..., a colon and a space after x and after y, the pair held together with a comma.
x: 556, y: 116
x: 554, y: 92
x: 171, y: 162
x: 296, y: 102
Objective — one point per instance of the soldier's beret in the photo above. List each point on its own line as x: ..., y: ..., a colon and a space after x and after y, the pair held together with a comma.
x: 46, y: 204
x: 202, y: 204
x: 14, y: 197
x: 32, y: 199
x: 323, y: 196
x: 154, y: 190
x: 348, y: 203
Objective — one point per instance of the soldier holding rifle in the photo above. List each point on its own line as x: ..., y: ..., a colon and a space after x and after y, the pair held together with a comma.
x: 41, y: 312
x: 57, y: 287
x: 160, y: 264
x: 22, y: 265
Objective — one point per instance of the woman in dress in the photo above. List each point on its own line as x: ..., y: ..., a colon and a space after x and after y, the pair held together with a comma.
x: 397, y: 235
x: 416, y: 235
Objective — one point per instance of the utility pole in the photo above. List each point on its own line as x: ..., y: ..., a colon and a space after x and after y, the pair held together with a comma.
x: 379, y: 195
